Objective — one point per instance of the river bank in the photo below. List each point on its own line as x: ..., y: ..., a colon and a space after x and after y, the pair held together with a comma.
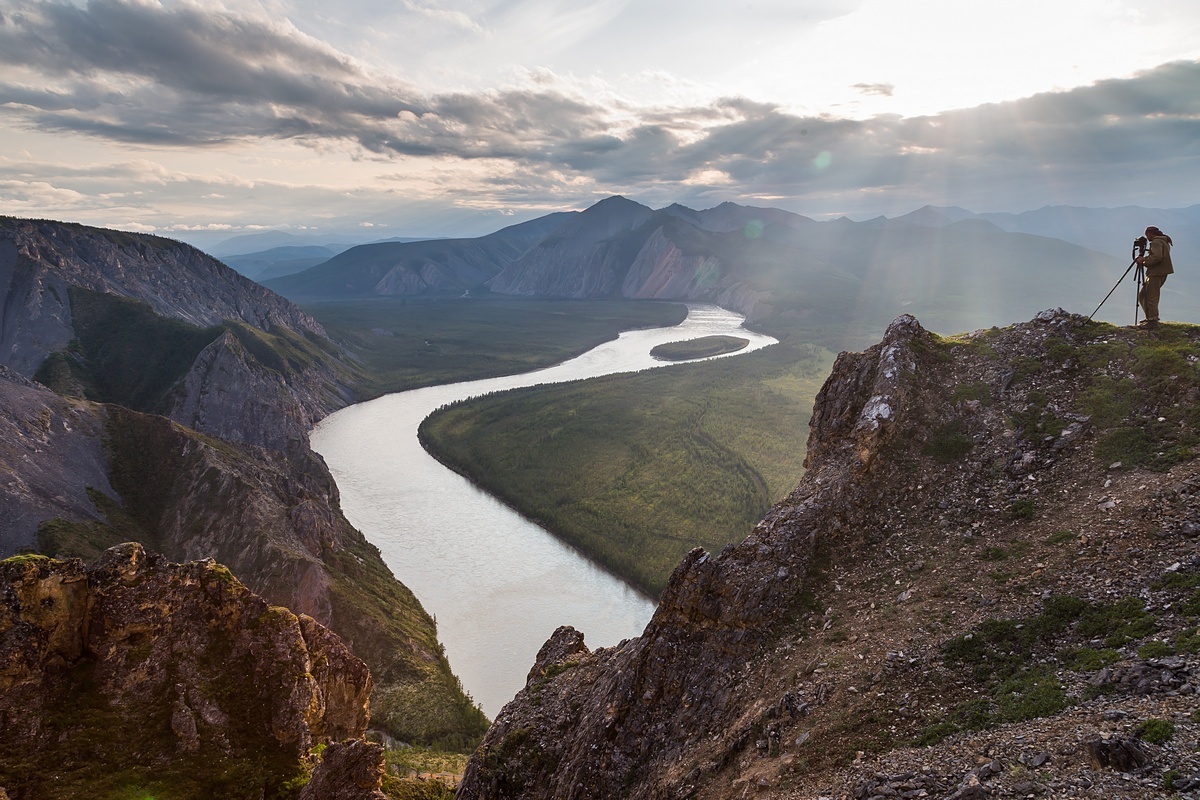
x: 497, y: 584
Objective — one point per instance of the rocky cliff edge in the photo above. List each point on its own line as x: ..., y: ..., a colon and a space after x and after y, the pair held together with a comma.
x: 986, y: 585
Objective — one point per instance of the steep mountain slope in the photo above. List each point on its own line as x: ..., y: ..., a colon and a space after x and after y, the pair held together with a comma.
x: 403, y: 268
x: 135, y: 661
x: 39, y: 259
x: 109, y: 458
x: 985, y: 585
x: 586, y: 256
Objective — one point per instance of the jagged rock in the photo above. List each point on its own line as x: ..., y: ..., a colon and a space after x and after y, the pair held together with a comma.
x: 351, y: 770
x: 566, y: 643
x: 1123, y: 754
x: 771, y: 659
x: 151, y: 661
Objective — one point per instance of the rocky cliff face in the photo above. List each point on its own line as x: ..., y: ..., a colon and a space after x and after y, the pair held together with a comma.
x: 40, y: 259
x: 52, y: 453
x: 230, y: 389
x: 966, y: 576
x: 135, y: 661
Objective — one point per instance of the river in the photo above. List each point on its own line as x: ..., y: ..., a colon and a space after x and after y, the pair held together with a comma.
x: 497, y: 584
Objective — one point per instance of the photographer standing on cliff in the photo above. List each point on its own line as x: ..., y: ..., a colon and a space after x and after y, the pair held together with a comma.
x: 1158, y: 266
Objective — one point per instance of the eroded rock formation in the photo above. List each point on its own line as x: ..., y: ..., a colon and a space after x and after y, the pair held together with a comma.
x: 134, y: 661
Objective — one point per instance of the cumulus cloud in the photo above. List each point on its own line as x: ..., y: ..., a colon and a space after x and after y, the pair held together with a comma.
x: 189, y: 76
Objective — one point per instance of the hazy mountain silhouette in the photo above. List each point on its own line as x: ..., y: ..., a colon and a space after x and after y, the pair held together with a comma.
x: 420, y: 267
x: 955, y: 268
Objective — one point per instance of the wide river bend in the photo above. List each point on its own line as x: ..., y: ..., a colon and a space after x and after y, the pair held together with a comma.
x: 497, y: 583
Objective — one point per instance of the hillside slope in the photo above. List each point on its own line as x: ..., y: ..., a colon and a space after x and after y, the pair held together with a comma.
x: 184, y: 397
x: 985, y: 585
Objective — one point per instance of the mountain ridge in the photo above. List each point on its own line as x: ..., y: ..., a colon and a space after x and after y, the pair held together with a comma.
x: 763, y: 262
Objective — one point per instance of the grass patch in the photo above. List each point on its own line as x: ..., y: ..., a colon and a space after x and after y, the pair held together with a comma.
x: 978, y: 392
x: 1155, y: 731
x: 1141, y: 407
x: 1015, y: 661
x: 1062, y: 537
x: 949, y: 443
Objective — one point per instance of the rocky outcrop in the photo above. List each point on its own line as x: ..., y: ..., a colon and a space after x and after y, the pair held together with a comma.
x: 136, y: 660
x: 948, y: 563
x: 51, y: 457
x: 227, y: 393
x: 348, y: 771
x: 681, y: 674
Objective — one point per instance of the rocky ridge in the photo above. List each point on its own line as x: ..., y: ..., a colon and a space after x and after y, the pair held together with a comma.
x: 40, y: 259
x: 986, y: 585
x: 135, y: 662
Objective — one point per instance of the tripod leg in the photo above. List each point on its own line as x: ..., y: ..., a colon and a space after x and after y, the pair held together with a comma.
x: 1113, y: 289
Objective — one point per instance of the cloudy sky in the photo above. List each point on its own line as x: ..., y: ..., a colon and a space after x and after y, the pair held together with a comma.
x: 455, y: 117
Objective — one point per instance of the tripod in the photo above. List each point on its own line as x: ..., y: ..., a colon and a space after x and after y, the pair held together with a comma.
x: 1139, y: 250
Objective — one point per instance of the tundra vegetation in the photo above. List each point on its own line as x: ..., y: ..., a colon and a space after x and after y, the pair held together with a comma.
x: 704, y: 347
x: 635, y: 470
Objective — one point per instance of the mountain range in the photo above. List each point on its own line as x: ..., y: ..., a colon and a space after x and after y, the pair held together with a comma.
x: 956, y: 269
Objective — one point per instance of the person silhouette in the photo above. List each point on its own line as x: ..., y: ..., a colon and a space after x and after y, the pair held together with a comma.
x: 1158, y: 266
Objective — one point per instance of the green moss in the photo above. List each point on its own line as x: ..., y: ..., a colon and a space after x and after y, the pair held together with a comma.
x: 1029, y: 694
x: 936, y: 733
x: 1156, y: 649
x: 1118, y: 623
x: 949, y: 442
x: 1087, y: 659
x: 1155, y: 731
x: 1188, y: 641
x: 978, y: 391
x: 1022, y: 510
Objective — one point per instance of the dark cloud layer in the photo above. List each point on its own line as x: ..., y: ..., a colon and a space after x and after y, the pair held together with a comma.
x: 188, y: 77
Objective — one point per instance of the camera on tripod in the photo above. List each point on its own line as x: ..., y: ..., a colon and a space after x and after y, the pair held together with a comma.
x: 1139, y: 250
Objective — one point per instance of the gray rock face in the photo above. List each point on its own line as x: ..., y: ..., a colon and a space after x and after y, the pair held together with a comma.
x: 51, y: 453
x: 40, y: 259
x: 228, y: 395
